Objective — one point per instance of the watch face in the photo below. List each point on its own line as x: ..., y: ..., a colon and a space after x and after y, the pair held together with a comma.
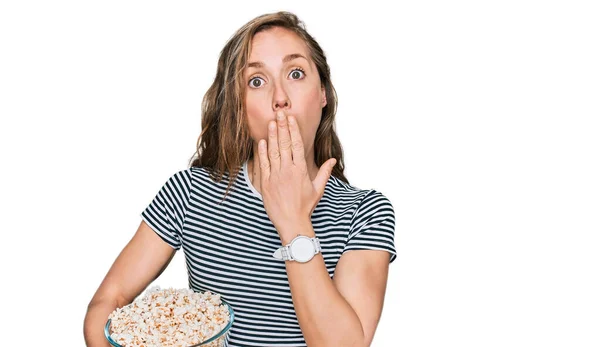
x: 302, y: 249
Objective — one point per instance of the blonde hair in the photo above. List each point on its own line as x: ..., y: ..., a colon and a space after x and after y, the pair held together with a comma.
x: 225, y: 142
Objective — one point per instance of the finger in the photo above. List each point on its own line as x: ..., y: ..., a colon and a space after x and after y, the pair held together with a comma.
x: 297, y: 143
x: 263, y: 161
x: 285, y: 141
x: 273, y: 147
x: 323, y: 175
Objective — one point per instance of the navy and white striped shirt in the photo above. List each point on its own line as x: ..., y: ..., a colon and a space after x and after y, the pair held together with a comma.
x: 229, y: 247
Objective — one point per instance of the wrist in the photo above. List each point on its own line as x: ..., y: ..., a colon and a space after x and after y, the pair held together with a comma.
x: 292, y: 229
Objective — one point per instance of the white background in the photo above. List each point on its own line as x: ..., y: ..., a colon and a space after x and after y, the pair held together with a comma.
x: 478, y: 119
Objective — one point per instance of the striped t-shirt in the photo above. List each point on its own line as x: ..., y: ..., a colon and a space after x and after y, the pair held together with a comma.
x: 229, y: 247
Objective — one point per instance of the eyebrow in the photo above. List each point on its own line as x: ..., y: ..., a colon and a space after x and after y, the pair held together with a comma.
x: 289, y: 57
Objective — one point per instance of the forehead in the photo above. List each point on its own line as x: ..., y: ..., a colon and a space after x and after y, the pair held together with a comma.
x: 272, y: 44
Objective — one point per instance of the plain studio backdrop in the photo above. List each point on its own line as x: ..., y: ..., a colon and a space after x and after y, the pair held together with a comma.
x: 478, y: 120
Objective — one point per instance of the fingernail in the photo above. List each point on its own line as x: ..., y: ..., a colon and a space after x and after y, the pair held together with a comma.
x: 280, y: 115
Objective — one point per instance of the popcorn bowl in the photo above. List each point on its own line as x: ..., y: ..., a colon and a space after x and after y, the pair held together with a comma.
x: 217, y: 340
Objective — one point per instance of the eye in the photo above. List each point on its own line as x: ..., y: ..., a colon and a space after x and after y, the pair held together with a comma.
x: 254, y: 85
x: 297, y: 73
x: 298, y: 69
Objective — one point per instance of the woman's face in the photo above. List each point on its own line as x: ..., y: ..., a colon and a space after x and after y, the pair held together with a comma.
x: 281, y: 81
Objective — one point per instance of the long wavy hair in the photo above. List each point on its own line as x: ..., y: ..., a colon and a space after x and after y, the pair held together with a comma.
x: 225, y: 142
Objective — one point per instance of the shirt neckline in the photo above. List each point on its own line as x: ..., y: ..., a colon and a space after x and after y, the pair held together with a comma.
x: 248, y: 183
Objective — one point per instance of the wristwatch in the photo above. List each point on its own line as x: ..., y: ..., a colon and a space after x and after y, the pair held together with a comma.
x: 301, y: 249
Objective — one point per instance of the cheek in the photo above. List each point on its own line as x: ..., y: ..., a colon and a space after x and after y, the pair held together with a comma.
x: 308, y: 106
x: 311, y: 118
x: 257, y: 119
x: 314, y: 100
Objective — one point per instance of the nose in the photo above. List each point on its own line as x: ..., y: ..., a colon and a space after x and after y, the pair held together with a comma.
x: 279, y: 104
x: 280, y: 99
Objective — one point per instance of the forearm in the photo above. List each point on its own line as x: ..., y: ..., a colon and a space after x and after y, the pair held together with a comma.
x: 325, y: 317
x: 95, y: 320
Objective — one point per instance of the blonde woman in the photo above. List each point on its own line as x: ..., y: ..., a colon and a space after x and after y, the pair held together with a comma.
x: 264, y: 214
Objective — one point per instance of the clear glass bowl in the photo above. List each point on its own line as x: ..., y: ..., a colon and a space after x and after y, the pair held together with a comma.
x: 216, y: 341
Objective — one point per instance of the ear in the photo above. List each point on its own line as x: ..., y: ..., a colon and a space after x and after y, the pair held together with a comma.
x: 323, y: 97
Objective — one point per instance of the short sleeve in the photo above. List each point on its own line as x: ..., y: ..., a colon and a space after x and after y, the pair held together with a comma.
x: 373, y: 225
x: 166, y: 212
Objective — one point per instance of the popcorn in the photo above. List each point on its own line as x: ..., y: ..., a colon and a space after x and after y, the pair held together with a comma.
x: 170, y: 318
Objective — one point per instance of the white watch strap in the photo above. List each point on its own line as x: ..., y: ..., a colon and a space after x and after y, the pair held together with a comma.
x: 317, y: 243
x: 282, y: 253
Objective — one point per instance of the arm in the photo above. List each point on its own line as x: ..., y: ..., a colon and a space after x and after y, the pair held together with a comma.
x: 344, y: 311
x: 341, y: 312
x: 142, y: 260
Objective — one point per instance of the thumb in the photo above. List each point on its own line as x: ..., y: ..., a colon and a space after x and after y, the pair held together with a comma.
x: 323, y: 175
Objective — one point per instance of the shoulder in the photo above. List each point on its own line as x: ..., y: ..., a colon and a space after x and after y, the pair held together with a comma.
x: 367, y: 198
x: 367, y: 204
x: 374, y: 199
x: 182, y: 178
x: 184, y: 174
x: 181, y: 183
x: 193, y: 175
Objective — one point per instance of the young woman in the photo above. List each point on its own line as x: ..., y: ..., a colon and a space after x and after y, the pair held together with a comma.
x: 268, y: 173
